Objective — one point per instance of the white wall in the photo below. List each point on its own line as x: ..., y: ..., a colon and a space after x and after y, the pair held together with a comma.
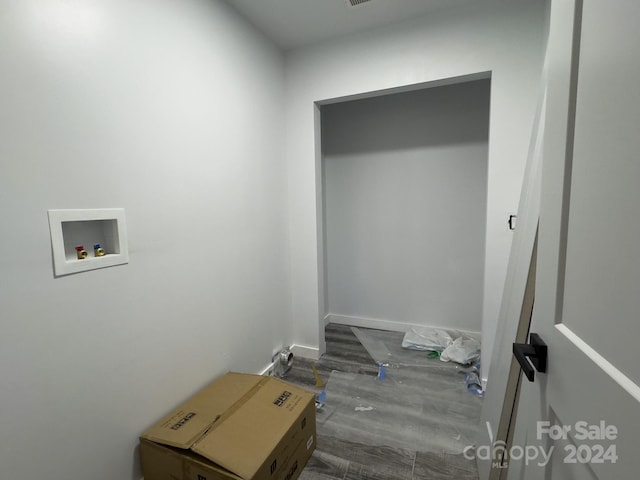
x: 505, y: 39
x: 172, y: 110
x: 405, y: 182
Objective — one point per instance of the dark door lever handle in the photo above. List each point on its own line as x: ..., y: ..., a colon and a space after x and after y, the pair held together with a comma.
x: 536, y: 351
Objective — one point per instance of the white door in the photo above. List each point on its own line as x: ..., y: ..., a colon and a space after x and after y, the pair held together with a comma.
x: 581, y: 419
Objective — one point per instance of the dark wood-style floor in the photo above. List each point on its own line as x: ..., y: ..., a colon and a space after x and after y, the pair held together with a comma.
x: 355, y: 446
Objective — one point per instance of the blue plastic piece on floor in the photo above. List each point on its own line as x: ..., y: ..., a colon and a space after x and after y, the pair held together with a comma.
x: 474, y: 385
x: 321, y: 396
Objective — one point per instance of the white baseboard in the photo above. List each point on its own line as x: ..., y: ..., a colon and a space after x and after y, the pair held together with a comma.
x: 312, y: 353
x: 302, y: 351
x: 388, y: 324
x: 269, y: 368
x: 370, y: 323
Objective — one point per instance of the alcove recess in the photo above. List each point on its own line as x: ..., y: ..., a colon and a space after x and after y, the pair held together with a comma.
x: 71, y: 228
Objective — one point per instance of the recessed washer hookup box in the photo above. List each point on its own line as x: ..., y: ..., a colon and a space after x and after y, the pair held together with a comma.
x: 240, y: 427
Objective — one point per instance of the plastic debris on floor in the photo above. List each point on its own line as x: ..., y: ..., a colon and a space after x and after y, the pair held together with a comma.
x: 453, y: 346
x: 474, y: 385
x: 386, y: 350
x: 427, y: 339
x: 462, y: 349
x: 422, y: 348
x: 405, y: 412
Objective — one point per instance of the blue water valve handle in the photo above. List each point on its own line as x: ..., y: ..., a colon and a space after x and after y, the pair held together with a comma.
x: 98, y: 251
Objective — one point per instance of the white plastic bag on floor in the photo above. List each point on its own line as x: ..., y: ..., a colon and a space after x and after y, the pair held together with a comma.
x: 427, y: 339
x: 464, y: 350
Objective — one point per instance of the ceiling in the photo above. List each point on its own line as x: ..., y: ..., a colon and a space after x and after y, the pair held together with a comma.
x: 296, y: 23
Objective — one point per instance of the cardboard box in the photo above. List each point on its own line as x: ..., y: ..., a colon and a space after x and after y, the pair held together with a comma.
x: 240, y: 427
